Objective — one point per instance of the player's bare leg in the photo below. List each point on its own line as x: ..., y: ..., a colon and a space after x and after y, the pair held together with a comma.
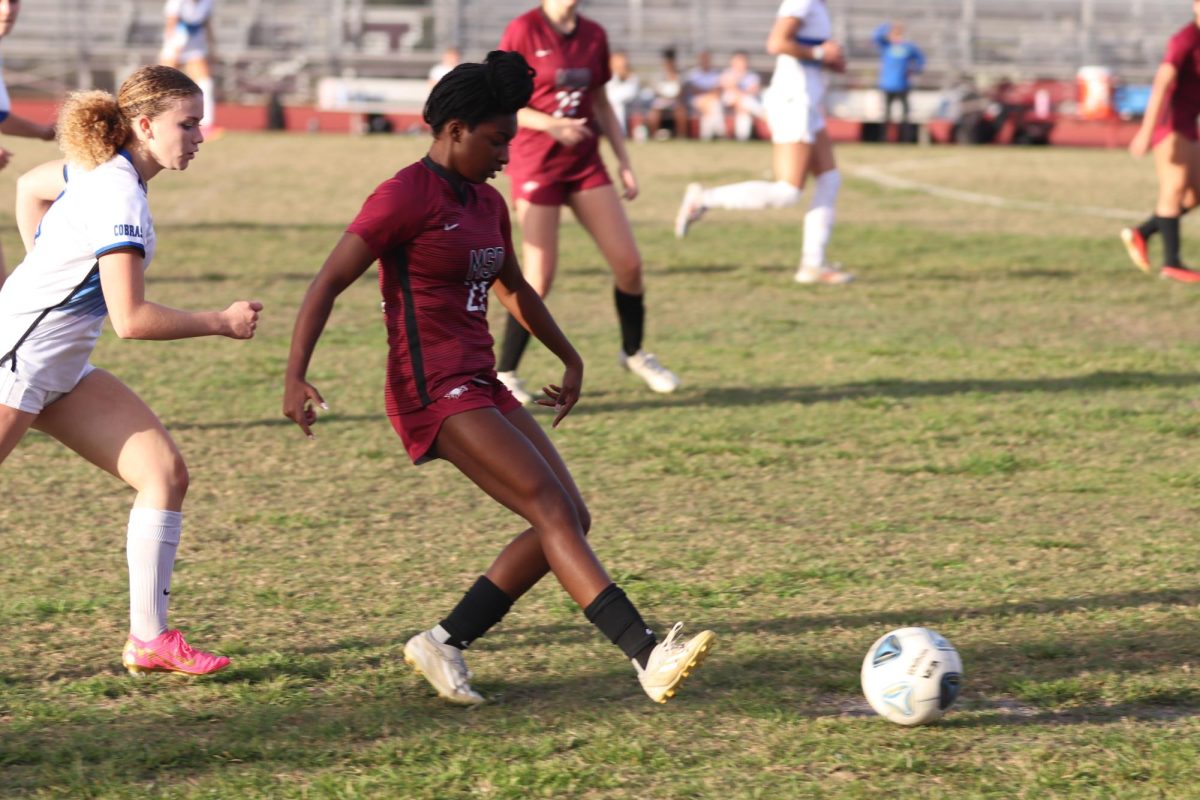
x: 600, y: 212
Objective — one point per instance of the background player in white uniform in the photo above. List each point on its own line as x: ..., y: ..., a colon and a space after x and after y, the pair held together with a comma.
x: 800, y: 38
x: 188, y: 43
x: 94, y: 237
x: 11, y: 124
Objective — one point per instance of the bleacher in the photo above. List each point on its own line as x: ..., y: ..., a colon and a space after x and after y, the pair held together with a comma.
x: 1015, y: 38
x: 286, y: 46
x: 262, y: 46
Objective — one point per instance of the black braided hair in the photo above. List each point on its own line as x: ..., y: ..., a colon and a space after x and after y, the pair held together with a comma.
x: 502, y: 84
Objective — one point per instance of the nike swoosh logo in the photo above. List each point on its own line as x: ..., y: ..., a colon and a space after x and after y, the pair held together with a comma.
x: 542, y: 53
x: 450, y: 227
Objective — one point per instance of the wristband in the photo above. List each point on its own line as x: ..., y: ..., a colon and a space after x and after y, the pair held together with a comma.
x: 818, y: 53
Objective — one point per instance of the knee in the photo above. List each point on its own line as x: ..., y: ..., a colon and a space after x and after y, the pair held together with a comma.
x: 585, y: 518
x: 627, y: 269
x: 173, y: 478
x: 553, y: 512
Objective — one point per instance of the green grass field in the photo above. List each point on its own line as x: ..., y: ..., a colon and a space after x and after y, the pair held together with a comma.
x: 993, y: 433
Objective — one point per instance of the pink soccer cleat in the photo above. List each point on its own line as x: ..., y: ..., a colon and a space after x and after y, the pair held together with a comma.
x: 168, y: 652
x: 1135, y: 246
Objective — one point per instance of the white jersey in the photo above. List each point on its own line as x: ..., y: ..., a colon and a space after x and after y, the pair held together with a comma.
x: 5, y: 103
x: 52, y: 307
x: 793, y: 77
x: 191, y: 13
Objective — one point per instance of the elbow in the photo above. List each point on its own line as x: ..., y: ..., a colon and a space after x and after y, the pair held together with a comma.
x: 774, y: 46
x: 123, y: 330
x: 124, y: 327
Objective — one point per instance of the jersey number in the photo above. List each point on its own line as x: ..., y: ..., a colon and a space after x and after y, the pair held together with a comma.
x: 477, y: 295
x: 568, y: 102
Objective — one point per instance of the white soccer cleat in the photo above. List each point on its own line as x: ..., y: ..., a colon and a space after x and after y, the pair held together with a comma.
x: 826, y: 273
x: 690, y: 210
x: 515, y: 387
x: 671, y: 661
x: 647, y: 367
x: 443, y: 666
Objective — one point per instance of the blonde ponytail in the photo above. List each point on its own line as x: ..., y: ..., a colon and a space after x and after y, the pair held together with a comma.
x: 94, y: 125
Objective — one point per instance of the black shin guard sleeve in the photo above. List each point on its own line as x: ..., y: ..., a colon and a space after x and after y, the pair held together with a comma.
x: 481, y: 607
x: 512, y: 346
x: 1169, y: 228
x: 631, y: 311
x: 614, y: 614
x: 1150, y: 226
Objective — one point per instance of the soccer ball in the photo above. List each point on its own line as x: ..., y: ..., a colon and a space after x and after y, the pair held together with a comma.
x: 911, y: 676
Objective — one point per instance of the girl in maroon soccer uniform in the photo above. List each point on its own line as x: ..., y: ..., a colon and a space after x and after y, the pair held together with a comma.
x: 1169, y: 129
x: 442, y: 239
x: 556, y: 161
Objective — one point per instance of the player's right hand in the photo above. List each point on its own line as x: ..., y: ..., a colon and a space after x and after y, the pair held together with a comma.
x: 241, y: 319
x: 299, y: 398
x: 1140, y: 145
x: 569, y: 131
x: 833, y: 56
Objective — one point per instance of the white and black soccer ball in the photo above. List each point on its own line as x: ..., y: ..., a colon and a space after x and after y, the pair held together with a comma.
x: 912, y: 676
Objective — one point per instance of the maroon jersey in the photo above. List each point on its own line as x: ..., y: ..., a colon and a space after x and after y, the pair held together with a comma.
x: 440, y: 242
x: 570, y: 69
x: 1183, y: 53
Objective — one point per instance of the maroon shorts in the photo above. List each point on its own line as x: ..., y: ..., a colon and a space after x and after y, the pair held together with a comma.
x: 554, y: 191
x: 419, y: 430
x: 1187, y: 129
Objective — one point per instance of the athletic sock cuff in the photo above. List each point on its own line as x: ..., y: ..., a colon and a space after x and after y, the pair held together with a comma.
x: 614, y: 614
x: 484, y: 605
x: 154, y: 524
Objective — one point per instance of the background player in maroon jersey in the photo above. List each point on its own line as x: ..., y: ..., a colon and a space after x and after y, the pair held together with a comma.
x: 1169, y: 129
x: 556, y: 161
x: 442, y: 238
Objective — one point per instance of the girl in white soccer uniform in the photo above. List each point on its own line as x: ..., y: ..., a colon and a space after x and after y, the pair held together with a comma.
x: 88, y: 231
x: 800, y: 40
x: 11, y: 124
x: 187, y: 42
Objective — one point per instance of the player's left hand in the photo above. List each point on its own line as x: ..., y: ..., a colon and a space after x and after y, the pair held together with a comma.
x: 299, y: 399
x: 5, y: 156
x: 629, y: 182
x: 563, y: 398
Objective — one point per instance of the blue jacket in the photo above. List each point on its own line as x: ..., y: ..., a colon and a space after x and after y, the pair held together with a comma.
x: 897, y: 61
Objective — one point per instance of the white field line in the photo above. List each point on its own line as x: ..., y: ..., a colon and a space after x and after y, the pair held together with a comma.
x: 882, y: 178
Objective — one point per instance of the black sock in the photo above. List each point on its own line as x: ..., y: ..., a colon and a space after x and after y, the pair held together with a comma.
x: 1169, y: 228
x: 512, y: 347
x: 481, y: 607
x: 632, y: 313
x: 615, y: 616
x: 1150, y: 226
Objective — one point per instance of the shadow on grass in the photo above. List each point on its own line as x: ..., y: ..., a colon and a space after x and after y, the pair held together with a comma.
x: 282, y: 421
x: 882, y: 620
x: 222, y: 277
x: 805, y: 395
x: 722, y: 396
x: 701, y: 269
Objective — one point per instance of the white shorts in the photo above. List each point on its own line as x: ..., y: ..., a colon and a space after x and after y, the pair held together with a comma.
x: 182, y: 47
x: 793, y: 118
x: 16, y: 393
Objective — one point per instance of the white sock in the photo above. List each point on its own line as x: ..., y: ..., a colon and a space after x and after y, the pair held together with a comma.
x: 150, y: 544
x: 743, y: 126
x: 210, y: 101
x: 818, y: 222
x: 752, y: 195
